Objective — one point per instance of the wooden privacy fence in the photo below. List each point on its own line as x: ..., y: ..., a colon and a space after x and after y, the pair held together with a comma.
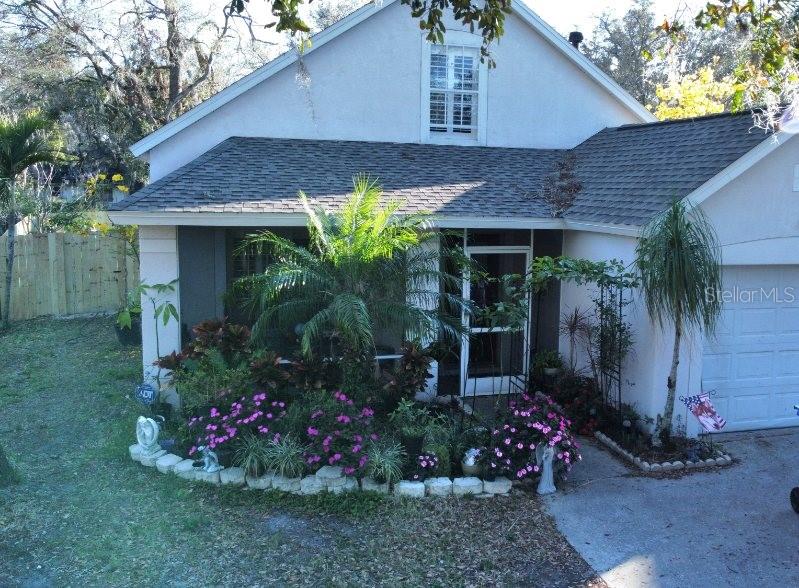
x: 63, y: 274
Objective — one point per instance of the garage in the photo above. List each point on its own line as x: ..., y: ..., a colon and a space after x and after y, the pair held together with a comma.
x: 751, y: 363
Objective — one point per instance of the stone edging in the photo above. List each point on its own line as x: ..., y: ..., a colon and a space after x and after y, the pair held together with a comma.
x: 666, y: 466
x: 327, y: 479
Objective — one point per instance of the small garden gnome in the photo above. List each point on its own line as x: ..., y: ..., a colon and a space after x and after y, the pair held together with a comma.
x: 543, y: 456
x: 147, y: 431
x: 210, y: 459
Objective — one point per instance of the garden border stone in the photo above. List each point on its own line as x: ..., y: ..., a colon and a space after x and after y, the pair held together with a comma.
x: 328, y: 478
x: 232, y: 477
x: 261, y: 483
x: 666, y: 466
x: 166, y: 463
x: 185, y: 469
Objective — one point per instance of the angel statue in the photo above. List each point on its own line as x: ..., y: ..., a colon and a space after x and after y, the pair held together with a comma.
x: 544, y: 454
x: 147, y: 431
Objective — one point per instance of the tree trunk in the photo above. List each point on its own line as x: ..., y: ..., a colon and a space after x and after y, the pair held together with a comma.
x: 668, y: 412
x: 12, y: 231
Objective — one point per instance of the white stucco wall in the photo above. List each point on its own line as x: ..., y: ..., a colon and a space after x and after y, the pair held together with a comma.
x: 158, y: 264
x: 757, y: 215
x: 366, y: 85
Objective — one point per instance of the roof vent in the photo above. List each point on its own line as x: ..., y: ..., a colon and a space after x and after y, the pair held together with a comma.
x: 575, y: 38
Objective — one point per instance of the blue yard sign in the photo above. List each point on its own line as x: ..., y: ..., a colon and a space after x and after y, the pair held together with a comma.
x: 146, y: 394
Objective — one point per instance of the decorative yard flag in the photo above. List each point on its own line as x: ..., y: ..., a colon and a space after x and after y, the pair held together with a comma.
x: 704, y: 411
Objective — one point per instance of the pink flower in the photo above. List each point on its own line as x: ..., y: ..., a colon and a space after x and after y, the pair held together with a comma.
x: 343, y: 418
x: 348, y: 471
x: 312, y: 432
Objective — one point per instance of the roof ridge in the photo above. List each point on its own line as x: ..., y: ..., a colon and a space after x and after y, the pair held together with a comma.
x: 675, y: 121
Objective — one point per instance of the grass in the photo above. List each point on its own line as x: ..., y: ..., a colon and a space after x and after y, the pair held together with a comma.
x: 85, y: 514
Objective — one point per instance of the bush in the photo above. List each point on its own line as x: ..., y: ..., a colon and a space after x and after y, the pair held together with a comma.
x: 252, y: 453
x: 530, y: 422
x: 582, y: 401
x: 285, y: 456
x: 385, y: 460
x: 338, y: 432
x: 253, y: 413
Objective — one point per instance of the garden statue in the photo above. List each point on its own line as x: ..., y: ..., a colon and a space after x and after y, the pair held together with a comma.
x: 543, y: 457
x: 210, y: 459
x: 147, y: 431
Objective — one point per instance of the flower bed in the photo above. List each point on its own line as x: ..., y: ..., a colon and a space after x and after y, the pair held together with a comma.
x: 292, y: 425
x: 328, y: 478
x: 721, y: 459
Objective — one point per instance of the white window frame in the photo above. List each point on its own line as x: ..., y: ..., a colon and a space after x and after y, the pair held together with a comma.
x: 455, y: 39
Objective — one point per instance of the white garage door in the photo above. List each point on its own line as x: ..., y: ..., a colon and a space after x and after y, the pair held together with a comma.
x: 752, y: 363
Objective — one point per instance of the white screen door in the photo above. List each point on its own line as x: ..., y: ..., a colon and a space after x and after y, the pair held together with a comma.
x: 493, y: 359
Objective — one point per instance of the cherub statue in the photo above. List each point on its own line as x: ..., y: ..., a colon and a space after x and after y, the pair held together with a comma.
x: 210, y: 459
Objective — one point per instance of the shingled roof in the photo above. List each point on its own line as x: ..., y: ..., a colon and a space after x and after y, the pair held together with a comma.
x: 628, y: 173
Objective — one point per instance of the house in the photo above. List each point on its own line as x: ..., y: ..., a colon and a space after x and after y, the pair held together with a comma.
x: 471, y: 145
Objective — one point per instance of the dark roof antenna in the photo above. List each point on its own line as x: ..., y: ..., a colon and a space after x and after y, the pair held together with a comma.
x: 575, y: 38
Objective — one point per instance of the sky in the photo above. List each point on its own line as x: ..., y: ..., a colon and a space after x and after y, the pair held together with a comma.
x: 565, y: 15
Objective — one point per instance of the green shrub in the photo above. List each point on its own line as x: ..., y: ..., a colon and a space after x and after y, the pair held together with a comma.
x: 207, y: 380
x: 252, y: 454
x: 285, y: 457
x: 386, y: 459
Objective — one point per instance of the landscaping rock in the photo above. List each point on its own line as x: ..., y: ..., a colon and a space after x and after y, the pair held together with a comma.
x: 232, y: 476
x: 135, y: 451
x: 261, y: 483
x: 721, y: 461
x: 645, y: 466
x: 666, y: 466
x: 286, y: 484
x: 438, y: 486
x: 331, y: 483
x: 727, y: 459
x: 311, y: 485
x: 500, y: 485
x: 655, y: 467
x: 408, y: 488
x: 710, y: 461
x: 149, y: 460
x: 370, y: 485
x: 185, y: 469
x: 165, y: 463
x: 349, y: 485
x: 208, y: 477
x: 469, y: 485
x: 678, y: 465
x: 329, y: 473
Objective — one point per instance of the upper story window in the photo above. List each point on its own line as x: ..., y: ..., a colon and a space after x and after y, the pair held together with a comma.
x: 453, y: 91
x: 454, y: 83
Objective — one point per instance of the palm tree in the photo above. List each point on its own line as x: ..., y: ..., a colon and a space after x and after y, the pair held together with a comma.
x: 367, y: 267
x: 25, y: 140
x: 678, y: 257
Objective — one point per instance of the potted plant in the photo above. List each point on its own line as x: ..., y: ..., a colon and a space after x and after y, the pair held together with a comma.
x: 128, y: 321
x: 549, y: 362
x: 426, y: 466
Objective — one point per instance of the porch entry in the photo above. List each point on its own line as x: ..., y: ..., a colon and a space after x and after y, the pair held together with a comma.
x: 494, y: 359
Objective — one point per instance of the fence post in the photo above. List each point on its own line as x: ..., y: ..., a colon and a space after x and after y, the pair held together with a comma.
x: 55, y: 259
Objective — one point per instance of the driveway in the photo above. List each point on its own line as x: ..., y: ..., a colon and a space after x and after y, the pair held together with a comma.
x: 729, y: 526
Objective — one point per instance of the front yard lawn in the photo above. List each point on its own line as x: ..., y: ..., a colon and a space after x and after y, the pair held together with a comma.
x: 84, y: 514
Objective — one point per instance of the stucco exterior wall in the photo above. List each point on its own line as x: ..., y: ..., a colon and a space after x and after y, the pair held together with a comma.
x: 366, y: 85
x: 757, y: 215
x: 158, y: 264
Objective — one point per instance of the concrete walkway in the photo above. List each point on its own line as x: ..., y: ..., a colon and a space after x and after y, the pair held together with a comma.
x: 730, y: 526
